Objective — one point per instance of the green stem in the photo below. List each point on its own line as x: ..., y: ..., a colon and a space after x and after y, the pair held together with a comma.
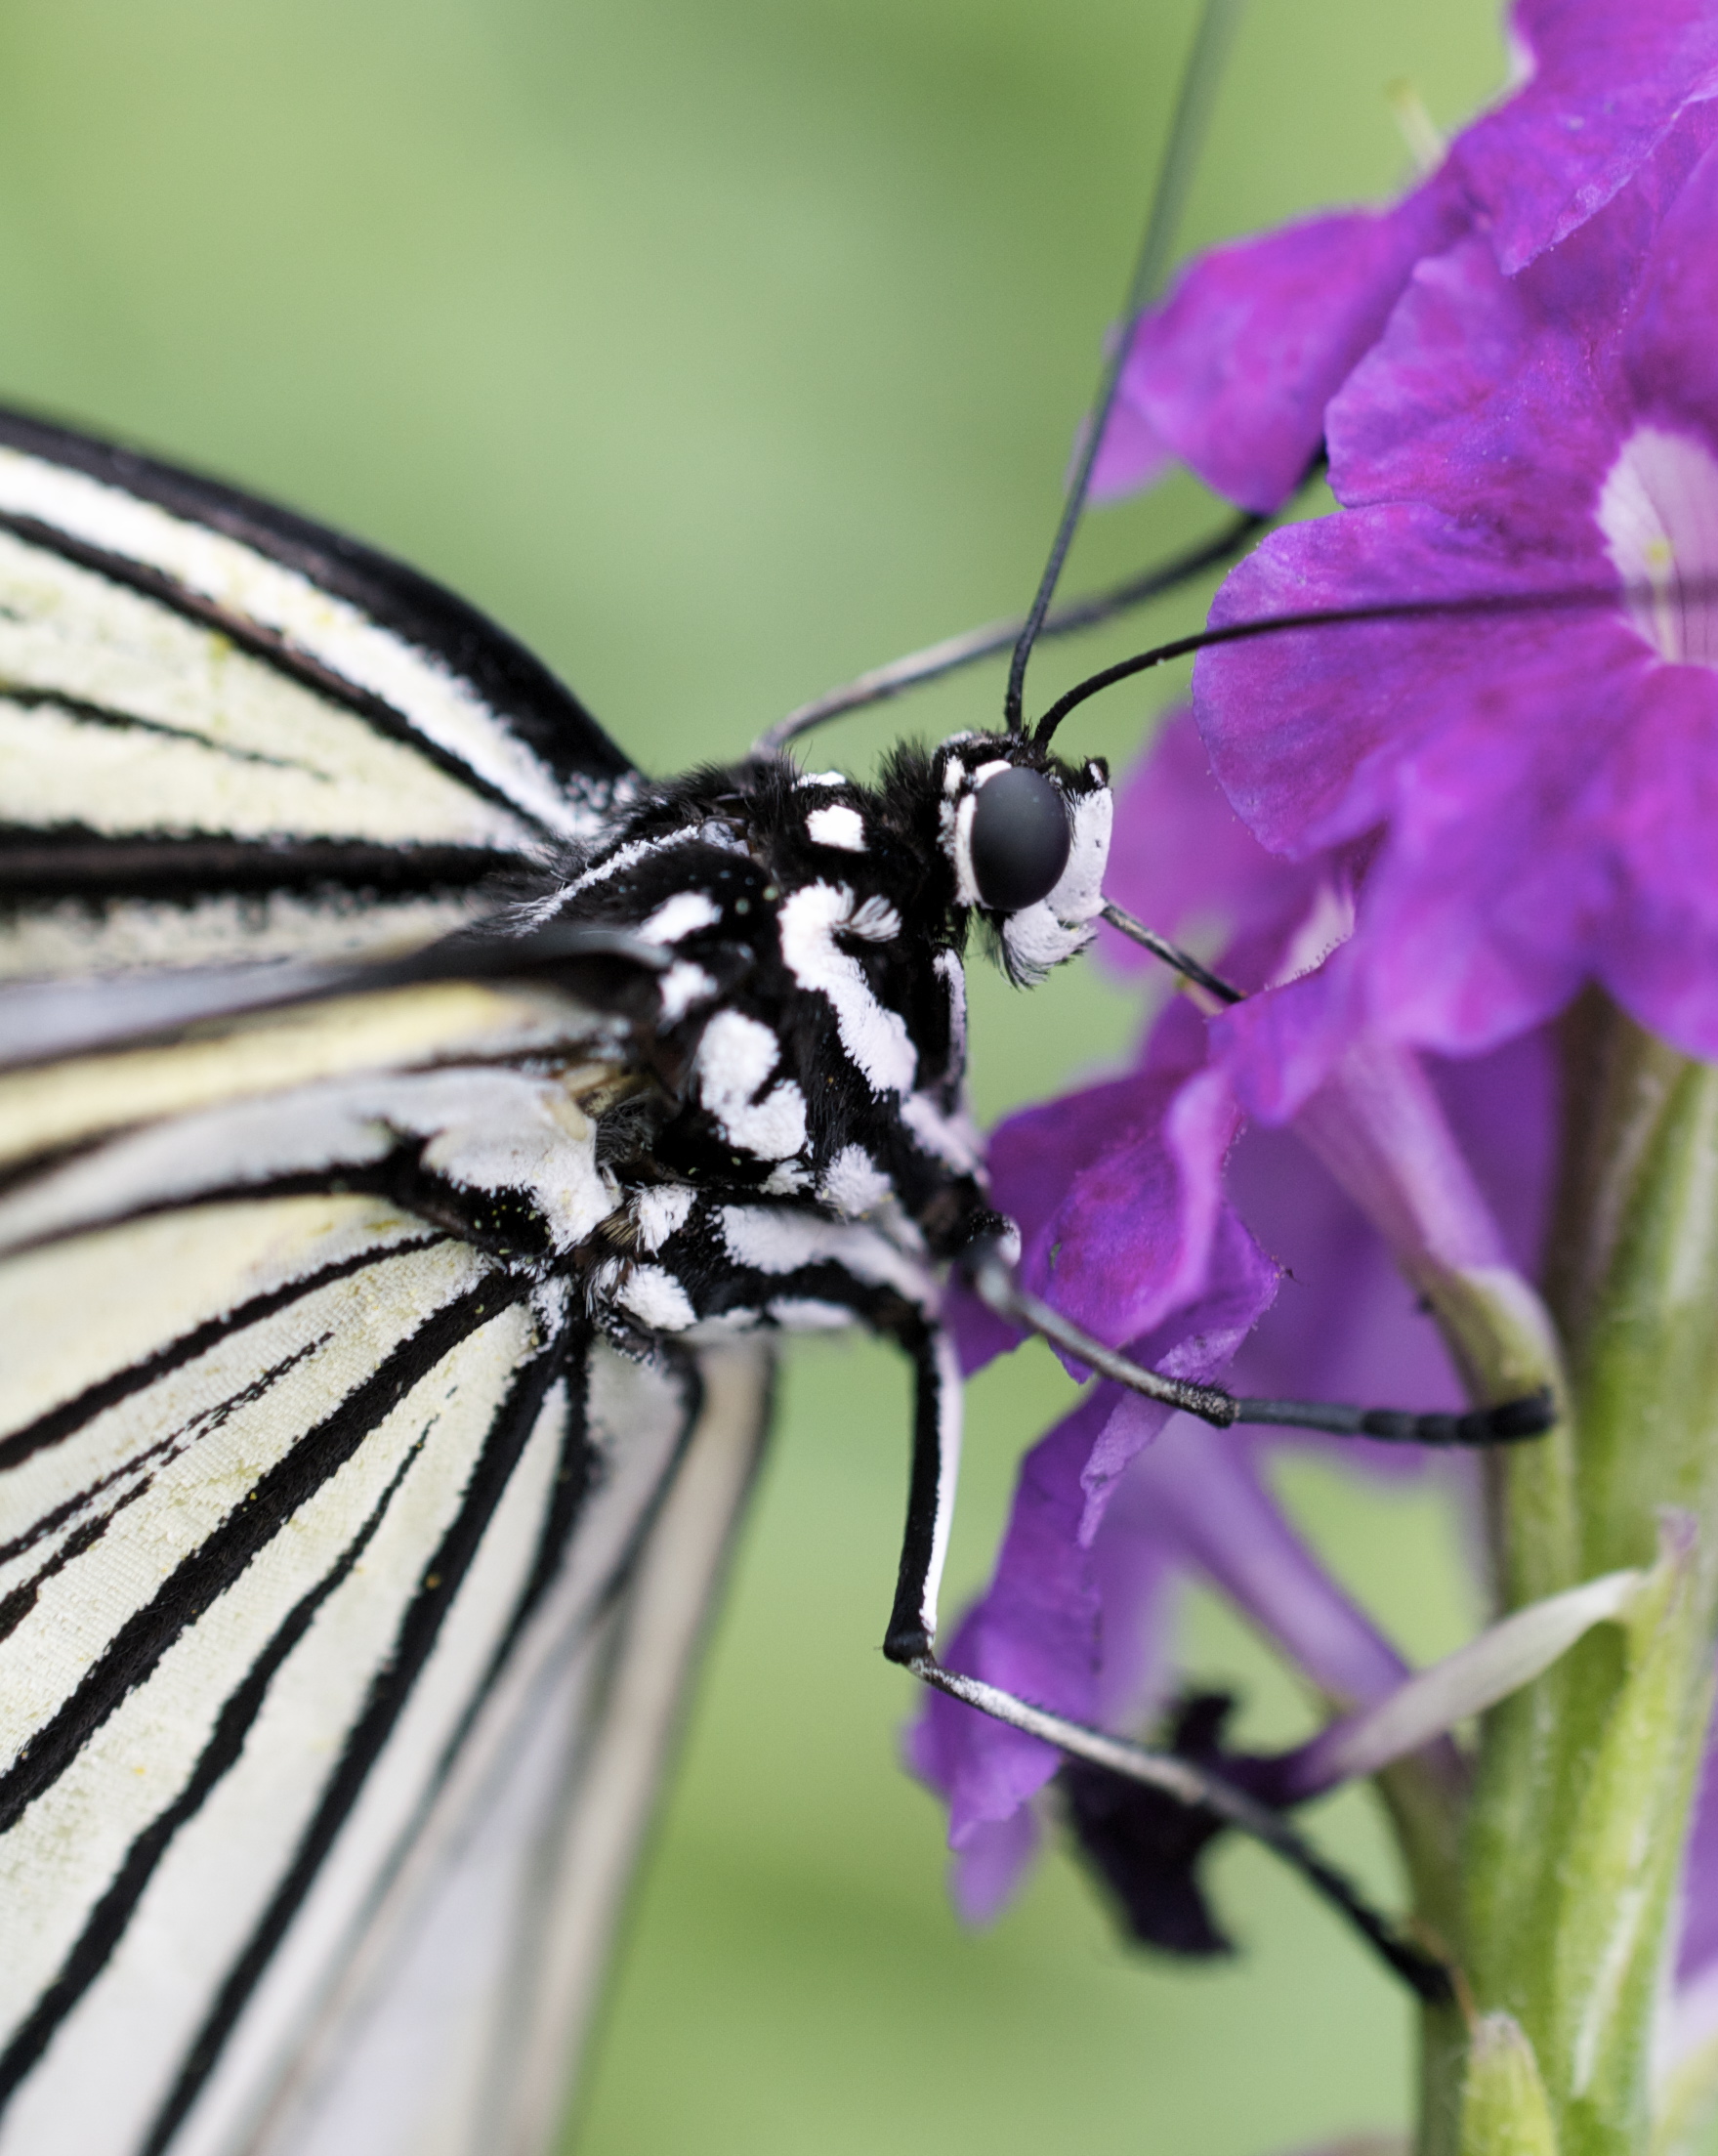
x: 1584, y: 1778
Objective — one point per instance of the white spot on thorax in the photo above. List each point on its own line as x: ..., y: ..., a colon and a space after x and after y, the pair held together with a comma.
x: 656, y: 1299
x: 681, y: 915
x: 953, y: 1139
x: 1658, y: 512
x: 735, y: 1056
x: 953, y: 977
x: 853, y: 1184
x: 660, y: 1211
x: 837, y: 826
x: 778, y: 1241
x: 875, y: 1037
x: 681, y: 987
x: 876, y: 921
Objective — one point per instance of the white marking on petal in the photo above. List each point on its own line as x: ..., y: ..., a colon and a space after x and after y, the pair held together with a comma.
x: 660, y: 1211
x: 735, y: 1057
x: 875, y: 1037
x: 1327, y: 923
x: 656, y: 1299
x: 1658, y: 512
x: 679, y: 916
x: 839, y: 827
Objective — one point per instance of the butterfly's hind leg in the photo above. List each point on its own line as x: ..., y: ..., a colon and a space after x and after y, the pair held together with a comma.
x: 910, y: 1642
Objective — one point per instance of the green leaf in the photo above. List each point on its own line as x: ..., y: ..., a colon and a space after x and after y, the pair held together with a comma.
x: 1504, y: 2108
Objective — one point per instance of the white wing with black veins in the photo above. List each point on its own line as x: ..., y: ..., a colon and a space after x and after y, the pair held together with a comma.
x: 338, y: 1653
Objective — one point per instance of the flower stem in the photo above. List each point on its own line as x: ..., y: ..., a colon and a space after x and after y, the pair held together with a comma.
x: 1586, y: 1777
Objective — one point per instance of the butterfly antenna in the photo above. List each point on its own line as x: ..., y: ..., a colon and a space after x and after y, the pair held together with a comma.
x: 955, y: 651
x: 1553, y: 599
x: 1187, y: 132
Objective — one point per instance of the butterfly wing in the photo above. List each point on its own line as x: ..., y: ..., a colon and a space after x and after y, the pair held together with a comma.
x: 325, y: 1520
x: 227, y: 733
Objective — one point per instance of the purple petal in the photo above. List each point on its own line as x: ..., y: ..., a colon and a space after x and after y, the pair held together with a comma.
x: 990, y: 1864
x: 1182, y: 861
x: 1377, y: 1125
x: 1667, y: 344
x: 1201, y: 1493
x: 1232, y: 374
x: 1345, y: 1325
x: 1035, y: 1633
x: 1455, y: 403
x: 1698, y: 1950
x: 1609, y: 82
x: 1117, y: 1193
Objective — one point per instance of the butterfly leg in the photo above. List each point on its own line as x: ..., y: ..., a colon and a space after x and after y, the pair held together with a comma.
x: 929, y: 1501
x: 1530, y: 1415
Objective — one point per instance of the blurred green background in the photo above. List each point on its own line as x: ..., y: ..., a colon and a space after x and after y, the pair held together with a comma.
x: 723, y: 349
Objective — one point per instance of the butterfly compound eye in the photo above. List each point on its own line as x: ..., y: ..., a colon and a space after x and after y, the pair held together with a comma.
x: 1019, y: 840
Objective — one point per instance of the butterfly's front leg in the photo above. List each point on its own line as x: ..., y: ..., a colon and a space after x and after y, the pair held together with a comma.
x: 930, y: 1497
x: 732, y: 1261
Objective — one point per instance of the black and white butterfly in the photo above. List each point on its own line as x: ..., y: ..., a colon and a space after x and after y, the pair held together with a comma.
x: 415, y: 1125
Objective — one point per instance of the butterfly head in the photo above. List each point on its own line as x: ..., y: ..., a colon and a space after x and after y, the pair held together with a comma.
x: 1027, y: 839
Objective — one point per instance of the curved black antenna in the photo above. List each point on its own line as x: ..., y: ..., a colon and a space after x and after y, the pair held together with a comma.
x: 955, y: 651
x: 1569, y: 599
x: 1198, y: 86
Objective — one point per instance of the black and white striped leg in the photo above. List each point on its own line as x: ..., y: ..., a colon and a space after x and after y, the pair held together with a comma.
x: 1191, y: 1784
x: 912, y: 1630
x: 1510, y: 1420
x: 929, y: 1501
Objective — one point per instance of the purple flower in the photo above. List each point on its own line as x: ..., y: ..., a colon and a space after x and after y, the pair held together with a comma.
x: 1533, y: 794
x: 1127, y: 1196
x: 1234, y: 373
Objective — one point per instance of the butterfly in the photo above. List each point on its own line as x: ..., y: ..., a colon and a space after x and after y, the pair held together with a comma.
x: 415, y: 1123
x: 417, y: 1126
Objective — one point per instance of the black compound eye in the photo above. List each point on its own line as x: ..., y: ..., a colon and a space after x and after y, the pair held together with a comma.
x: 1020, y: 839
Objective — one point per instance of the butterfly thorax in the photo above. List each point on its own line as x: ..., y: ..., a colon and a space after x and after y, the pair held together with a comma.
x: 810, y: 1050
